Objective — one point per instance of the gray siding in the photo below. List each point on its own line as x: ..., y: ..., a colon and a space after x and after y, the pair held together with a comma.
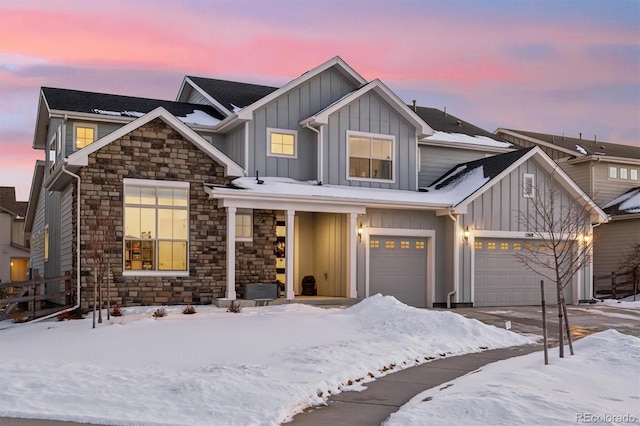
x: 66, y: 230
x: 370, y: 114
x: 37, y: 235
x: 611, y: 242
x: 581, y: 174
x: 104, y: 129
x: 196, y: 97
x: 286, y: 112
x: 553, y: 153
x: 52, y: 218
x: 436, y: 161
x: 7, y: 252
x: 235, y: 145
x: 607, y: 189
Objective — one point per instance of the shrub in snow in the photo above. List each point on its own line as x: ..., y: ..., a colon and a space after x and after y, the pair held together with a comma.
x: 117, y: 311
x: 18, y: 316
x: 160, y: 312
x: 235, y: 307
x: 189, y: 310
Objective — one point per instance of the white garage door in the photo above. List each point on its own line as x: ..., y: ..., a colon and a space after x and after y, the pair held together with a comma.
x: 398, y: 267
x: 501, y: 280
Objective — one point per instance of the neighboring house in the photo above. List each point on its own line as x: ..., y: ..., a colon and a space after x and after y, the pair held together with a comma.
x: 329, y: 176
x: 607, y: 172
x: 14, y: 245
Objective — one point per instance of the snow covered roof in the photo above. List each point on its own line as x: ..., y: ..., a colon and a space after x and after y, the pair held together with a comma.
x: 626, y: 204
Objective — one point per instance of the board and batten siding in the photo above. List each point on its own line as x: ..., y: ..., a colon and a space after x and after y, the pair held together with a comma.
x: 436, y: 161
x: 235, y: 145
x: 285, y: 112
x: 410, y: 220
x: 53, y: 219
x: 500, y: 208
x: 37, y: 236
x: 66, y: 230
x: 370, y: 114
x: 196, y: 97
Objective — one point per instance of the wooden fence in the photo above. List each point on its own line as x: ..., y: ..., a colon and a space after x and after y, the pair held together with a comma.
x: 35, y: 294
x: 617, y: 285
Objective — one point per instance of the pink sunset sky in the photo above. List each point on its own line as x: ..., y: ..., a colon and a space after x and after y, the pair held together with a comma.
x: 561, y: 67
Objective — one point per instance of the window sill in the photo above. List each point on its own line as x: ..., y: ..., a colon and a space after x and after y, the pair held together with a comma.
x: 130, y: 273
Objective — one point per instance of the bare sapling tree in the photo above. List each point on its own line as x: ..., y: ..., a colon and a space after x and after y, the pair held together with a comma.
x: 562, y: 227
x: 98, y: 247
x: 630, y: 264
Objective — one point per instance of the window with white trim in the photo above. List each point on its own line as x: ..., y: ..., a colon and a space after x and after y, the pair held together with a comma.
x: 528, y: 185
x: 156, y: 226
x: 370, y: 156
x: 613, y: 172
x: 46, y: 243
x: 84, y: 134
x: 244, y: 226
x: 633, y: 174
x: 623, y: 173
x: 282, y: 142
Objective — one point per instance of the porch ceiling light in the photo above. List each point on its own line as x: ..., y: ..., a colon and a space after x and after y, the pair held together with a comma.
x: 359, y: 232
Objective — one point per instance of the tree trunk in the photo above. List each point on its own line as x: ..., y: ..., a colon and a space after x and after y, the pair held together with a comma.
x: 100, y: 302
x: 108, y: 290
x: 560, y: 325
x: 566, y: 323
x: 95, y: 295
x: 544, y: 324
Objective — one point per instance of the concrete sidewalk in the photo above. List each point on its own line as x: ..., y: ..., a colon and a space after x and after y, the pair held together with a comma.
x: 387, y: 394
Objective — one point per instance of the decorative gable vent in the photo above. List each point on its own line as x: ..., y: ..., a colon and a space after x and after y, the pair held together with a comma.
x: 528, y: 185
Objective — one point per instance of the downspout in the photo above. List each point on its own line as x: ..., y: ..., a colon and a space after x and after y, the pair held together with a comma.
x: 77, y: 305
x: 455, y: 265
x: 246, y: 148
x: 319, y: 138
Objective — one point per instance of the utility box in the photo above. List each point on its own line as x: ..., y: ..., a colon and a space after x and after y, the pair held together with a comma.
x: 260, y: 291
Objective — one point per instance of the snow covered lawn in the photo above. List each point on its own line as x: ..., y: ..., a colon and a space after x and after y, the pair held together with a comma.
x: 599, y: 384
x: 258, y: 367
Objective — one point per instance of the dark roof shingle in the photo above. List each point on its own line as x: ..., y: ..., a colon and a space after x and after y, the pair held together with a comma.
x: 232, y: 94
x: 8, y: 201
x: 444, y: 122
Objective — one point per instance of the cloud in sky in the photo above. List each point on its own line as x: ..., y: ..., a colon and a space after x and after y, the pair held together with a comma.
x: 547, y: 66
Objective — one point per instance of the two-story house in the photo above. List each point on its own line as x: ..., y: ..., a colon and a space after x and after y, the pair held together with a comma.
x: 610, y: 174
x: 330, y: 176
x: 14, y: 245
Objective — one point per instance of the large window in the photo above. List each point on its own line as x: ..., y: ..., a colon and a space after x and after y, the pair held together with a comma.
x: 84, y: 134
x: 282, y: 143
x: 623, y: 173
x: 156, y: 223
x: 370, y: 156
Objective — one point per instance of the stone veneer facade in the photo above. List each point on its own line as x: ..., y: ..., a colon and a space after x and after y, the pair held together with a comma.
x: 156, y: 151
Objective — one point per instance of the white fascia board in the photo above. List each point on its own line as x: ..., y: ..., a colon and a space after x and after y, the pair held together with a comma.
x: 550, y: 166
x: 609, y: 159
x: 214, y: 102
x: 381, y: 89
x: 624, y: 217
x: 81, y: 157
x: 247, y: 199
x: 465, y: 146
x: 539, y: 142
x: 247, y: 112
x: 44, y: 115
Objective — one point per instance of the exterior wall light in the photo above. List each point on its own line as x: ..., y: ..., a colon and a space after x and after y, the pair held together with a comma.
x: 465, y: 235
x: 359, y: 232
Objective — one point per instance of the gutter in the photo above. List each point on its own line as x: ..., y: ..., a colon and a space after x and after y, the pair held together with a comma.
x: 320, y: 151
x: 77, y: 305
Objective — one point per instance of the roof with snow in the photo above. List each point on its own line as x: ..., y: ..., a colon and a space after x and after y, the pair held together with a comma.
x: 584, y: 146
x: 232, y: 94
x: 625, y: 204
x: 126, y: 106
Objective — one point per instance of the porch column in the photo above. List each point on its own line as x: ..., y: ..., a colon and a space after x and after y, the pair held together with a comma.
x: 352, y: 238
x: 231, y: 253
x: 288, y: 254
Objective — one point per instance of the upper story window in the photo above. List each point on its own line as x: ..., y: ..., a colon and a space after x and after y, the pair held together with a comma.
x: 282, y: 142
x: 84, y: 134
x: 528, y: 185
x: 244, y: 226
x: 156, y: 224
x: 623, y: 173
x: 370, y: 156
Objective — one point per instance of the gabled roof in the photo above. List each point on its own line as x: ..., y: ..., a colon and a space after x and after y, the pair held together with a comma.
x: 34, y: 194
x: 499, y: 166
x: 576, y: 147
x: 226, y: 95
x: 107, y: 107
x: 626, y: 204
x: 246, y: 113
x: 80, y: 158
x: 8, y: 201
x: 377, y: 86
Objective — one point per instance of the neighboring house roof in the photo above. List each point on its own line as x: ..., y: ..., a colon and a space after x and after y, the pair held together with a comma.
x: 8, y: 201
x: 231, y: 95
x: 61, y: 102
x: 577, y: 146
x: 377, y: 86
x: 626, y: 204
x: 34, y: 194
x: 80, y: 158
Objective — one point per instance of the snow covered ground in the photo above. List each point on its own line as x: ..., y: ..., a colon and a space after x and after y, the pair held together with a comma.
x: 263, y: 365
x: 600, y: 384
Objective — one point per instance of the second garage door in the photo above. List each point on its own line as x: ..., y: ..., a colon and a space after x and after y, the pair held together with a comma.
x: 398, y: 267
x: 502, y: 280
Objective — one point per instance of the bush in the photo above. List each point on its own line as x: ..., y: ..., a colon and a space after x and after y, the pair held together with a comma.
x: 19, y: 316
x: 160, y: 312
x: 235, y: 307
x: 189, y: 310
x: 117, y: 311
